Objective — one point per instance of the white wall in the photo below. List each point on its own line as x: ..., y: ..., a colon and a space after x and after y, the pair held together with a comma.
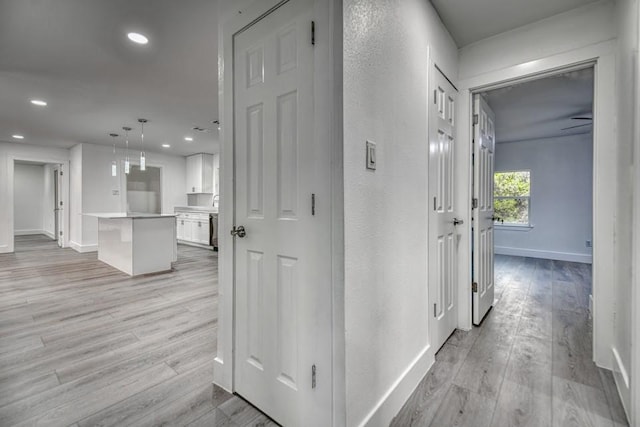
x: 561, y: 197
x: 75, y: 199
x: 8, y: 152
x: 98, y: 186
x: 48, y: 201
x: 28, y: 195
x: 627, y: 74
x: 567, y: 31
x: 386, y: 77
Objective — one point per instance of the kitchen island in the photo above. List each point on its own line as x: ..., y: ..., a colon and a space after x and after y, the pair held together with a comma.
x: 137, y: 243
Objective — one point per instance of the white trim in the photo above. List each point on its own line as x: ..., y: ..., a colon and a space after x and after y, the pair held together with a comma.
x: 49, y: 234
x: 83, y: 248
x: 392, y: 401
x: 28, y: 232
x: 536, y: 253
x: 602, y: 57
x: 621, y: 380
x: 4, y: 249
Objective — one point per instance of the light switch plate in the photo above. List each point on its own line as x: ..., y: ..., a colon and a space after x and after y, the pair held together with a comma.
x: 371, y: 155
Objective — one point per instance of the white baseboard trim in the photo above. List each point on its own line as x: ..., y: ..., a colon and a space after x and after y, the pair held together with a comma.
x: 4, y: 249
x: 49, y: 234
x: 621, y: 378
x: 82, y: 248
x: 28, y: 232
x: 393, y: 400
x: 535, y: 253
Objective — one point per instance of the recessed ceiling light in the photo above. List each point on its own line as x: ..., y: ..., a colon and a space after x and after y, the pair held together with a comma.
x: 18, y: 136
x: 188, y: 138
x: 166, y: 145
x: 138, y: 38
x: 39, y: 102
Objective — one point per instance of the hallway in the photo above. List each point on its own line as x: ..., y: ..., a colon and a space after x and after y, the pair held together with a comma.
x: 530, y: 362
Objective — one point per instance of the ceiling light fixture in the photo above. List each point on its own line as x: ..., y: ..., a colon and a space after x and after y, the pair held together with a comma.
x: 138, y: 38
x: 127, y: 164
x: 114, y: 163
x: 18, y: 136
x: 188, y: 138
x: 39, y: 102
x: 166, y: 146
x: 143, y: 160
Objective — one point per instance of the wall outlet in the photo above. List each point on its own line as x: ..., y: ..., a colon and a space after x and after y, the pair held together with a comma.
x: 588, y: 244
x: 371, y: 155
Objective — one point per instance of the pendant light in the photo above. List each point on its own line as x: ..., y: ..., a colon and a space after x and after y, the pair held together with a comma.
x: 114, y: 163
x: 143, y: 159
x: 127, y: 164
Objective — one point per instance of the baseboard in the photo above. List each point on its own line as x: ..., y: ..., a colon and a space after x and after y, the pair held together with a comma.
x: 49, y: 234
x: 83, y: 248
x: 393, y: 400
x: 535, y: 253
x: 4, y: 249
x: 28, y: 232
x: 621, y: 377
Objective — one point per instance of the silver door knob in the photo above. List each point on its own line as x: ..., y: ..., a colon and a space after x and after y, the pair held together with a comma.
x: 238, y: 231
x: 457, y: 221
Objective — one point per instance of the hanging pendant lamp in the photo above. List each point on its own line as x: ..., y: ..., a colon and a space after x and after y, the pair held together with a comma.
x: 114, y: 163
x: 127, y: 164
x: 143, y: 159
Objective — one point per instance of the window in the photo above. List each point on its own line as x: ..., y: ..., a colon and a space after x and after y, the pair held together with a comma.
x: 512, y: 197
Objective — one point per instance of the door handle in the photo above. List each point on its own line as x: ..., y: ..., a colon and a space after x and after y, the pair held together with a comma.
x: 457, y: 221
x: 238, y: 231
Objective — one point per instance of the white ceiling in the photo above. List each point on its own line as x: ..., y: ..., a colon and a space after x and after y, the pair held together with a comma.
x: 542, y: 108
x: 75, y: 55
x: 469, y: 21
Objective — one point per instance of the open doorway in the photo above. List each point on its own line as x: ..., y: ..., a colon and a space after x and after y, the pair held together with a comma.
x: 38, y: 204
x: 535, y: 190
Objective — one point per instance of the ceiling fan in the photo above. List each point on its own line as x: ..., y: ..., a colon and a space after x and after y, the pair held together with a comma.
x: 590, y: 119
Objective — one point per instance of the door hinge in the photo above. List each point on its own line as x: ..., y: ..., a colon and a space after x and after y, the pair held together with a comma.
x: 435, y: 96
x: 313, y: 204
x: 434, y: 204
x: 435, y: 310
x: 475, y: 119
x: 313, y: 376
x: 313, y: 33
x: 61, y: 233
x: 60, y: 202
x: 61, y: 173
x: 474, y: 286
x: 474, y: 203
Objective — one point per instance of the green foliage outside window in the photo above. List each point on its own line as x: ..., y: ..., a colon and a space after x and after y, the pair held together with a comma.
x: 512, y: 191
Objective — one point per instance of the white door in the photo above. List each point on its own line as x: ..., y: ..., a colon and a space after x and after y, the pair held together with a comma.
x: 283, y: 262
x: 483, y: 165
x: 443, y: 246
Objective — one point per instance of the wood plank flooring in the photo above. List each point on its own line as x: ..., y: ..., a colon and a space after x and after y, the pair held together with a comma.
x: 82, y: 344
x: 528, y: 364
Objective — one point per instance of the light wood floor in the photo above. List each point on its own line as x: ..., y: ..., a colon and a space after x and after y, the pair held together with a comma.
x: 530, y: 362
x: 83, y: 344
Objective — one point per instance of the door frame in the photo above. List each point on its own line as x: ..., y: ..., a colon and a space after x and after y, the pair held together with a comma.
x: 64, y: 195
x: 601, y: 57
x: 328, y: 127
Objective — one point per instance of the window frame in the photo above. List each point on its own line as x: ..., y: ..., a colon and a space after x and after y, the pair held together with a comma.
x: 514, y: 225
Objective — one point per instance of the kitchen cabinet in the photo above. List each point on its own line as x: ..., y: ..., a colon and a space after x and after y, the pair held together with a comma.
x: 200, y: 174
x: 193, y: 227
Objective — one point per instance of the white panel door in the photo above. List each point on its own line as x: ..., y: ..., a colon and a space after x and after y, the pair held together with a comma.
x: 443, y: 246
x: 283, y: 264
x: 483, y: 166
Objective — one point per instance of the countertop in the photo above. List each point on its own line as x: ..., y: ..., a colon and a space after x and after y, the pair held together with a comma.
x: 209, y: 209
x: 131, y: 215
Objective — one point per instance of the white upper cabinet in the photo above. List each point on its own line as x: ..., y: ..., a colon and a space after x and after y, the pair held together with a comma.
x: 200, y: 173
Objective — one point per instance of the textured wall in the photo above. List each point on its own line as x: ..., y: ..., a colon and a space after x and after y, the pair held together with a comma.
x: 385, y: 100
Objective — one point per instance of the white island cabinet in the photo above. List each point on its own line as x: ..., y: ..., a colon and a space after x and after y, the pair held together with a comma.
x: 137, y: 243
